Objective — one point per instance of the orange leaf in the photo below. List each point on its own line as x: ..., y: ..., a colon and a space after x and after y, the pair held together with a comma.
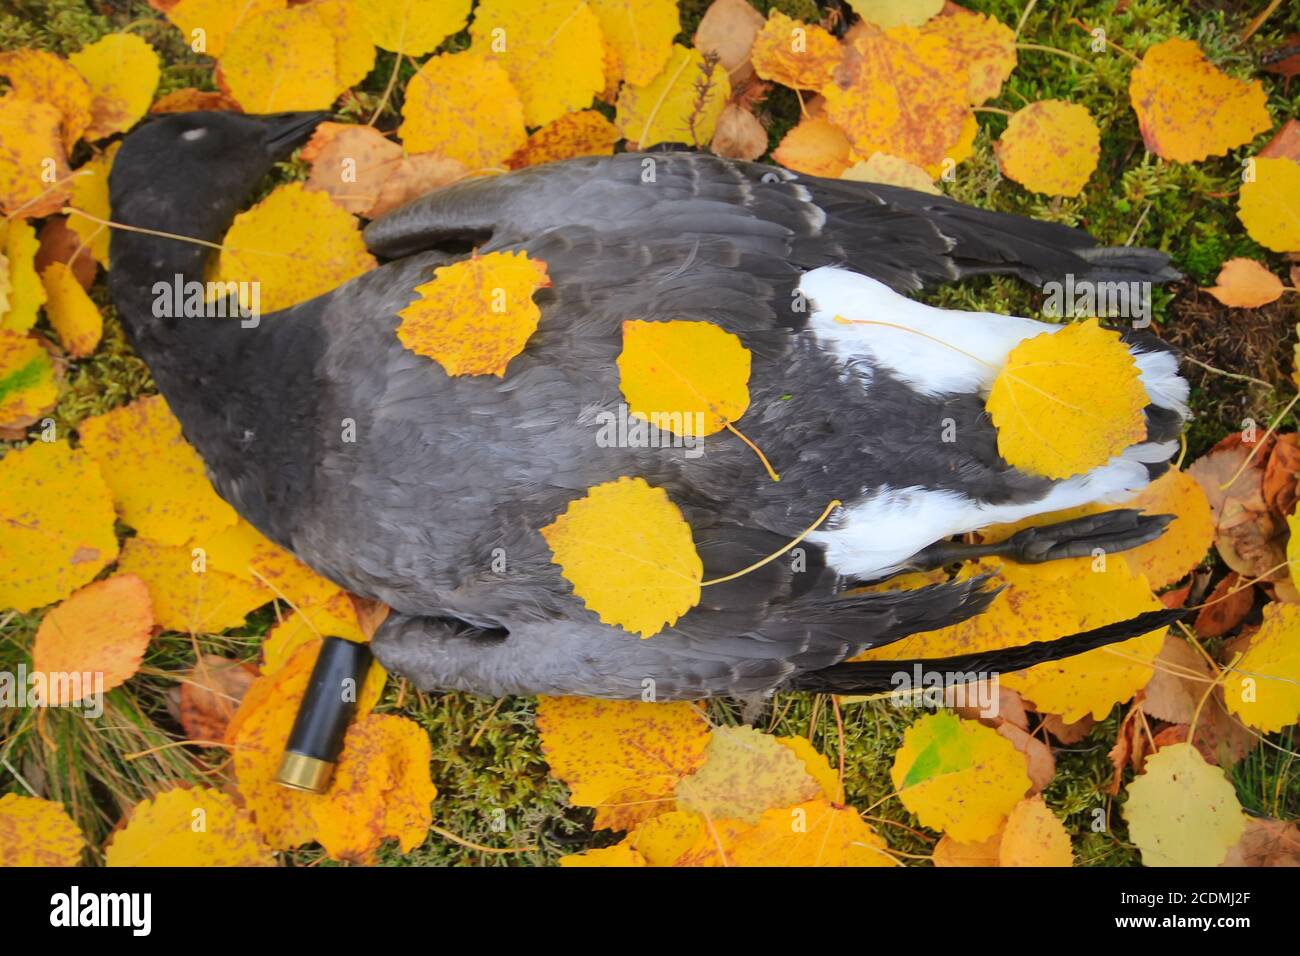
x: 794, y: 53
x: 1246, y: 284
x: 817, y: 147
x: 585, y: 133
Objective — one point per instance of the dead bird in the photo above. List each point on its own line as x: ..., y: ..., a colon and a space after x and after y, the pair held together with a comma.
x: 434, y: 501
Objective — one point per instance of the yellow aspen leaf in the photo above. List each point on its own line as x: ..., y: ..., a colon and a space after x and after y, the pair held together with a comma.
x: 45, y: 78
x: 987, y: 47
x: 1246, y: 284
x: 209, y: 23
x: 680, y: 105
x: 104, y: 629
x: 813, y: 833
x: 958, y: 776
x: 882, y: 168
x: 477, y: 314
x: 122, y: 72
x: 413, y: 27
x: 1269, y: 204
x: 1182, y: 811
x: 246, y: 553
x: 36, y: 832
x: 827, y: 777
x: 641, y: 33
x: 1187, y: 109
x: 72, y: 313
x: 1050, y: 147
x: 184, y: 598
x: 1293, y: 540
x: 618, y: 855
x: 19, y: 245
x: 1263, y: 686
x: 354, y: 51
x: 443, y: 98
x: 90, y: 195
x: 258, y: 733
x: 585, y: 133
x: 745, y: 772
x: 896, y: 13
x: 187, y: 826
x: 27, y: 387
x: 629, y: 555
x: 663, y: 839
x: 553, y: 50
x: 605, y: 749
x: 294, y: 245
x: 34, y: 173
x: 381, y: 788
x: 281, y: 60
x: 46, y: 553
x: 1034, y: 836
x: 6, y: 287
x: 673, y: 373
x: 1167, y: 558
x: 817, y: 147
x: 794, y: 53
x: 1051, y: 418
x: 189, y: 99
x: 953, y: 853
x: 901, y: 92
x: 158, y: 481
x: 333, y: 618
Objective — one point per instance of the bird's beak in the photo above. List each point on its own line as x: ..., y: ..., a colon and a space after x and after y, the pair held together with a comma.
x: 288, y: 130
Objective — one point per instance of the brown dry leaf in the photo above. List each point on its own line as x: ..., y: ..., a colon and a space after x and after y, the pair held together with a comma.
x: 1182, y: 677
x: 1246, y: 284
x: 1226, y: 607
x: 191, y: 99
x: 415, y: 176
x: 1281, y: 484
x: 103, y: 629
x: 739, y: 134
x: 950, y: 853
x: 1050, y: 147
x: 210, y: 695
x: 1068, y: 734
x: 794, y: 53
x: 58, y: 243
x: 36, y: 832
x: 728, y: 30
x: 1266, y: 843
x: 34, y: 173
x: 352, y: 166
x: 1040, y: 761
x: 42, y: 77
x: 1250, y: 539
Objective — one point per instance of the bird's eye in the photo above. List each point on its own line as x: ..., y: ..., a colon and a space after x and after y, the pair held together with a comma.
x: 193, y: 135
x: 770, y: 178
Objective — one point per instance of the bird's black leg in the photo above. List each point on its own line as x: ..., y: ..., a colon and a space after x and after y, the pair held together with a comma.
x: 1109, y: 531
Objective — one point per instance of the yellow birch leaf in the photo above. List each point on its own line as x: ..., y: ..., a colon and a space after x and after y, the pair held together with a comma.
x: 27, y: 388
x: 164, y: 830
x: 413, y: 27
x: 745, y: 772
x: 46, y: 553
x: 1188, y: 110
x: 36, y: 832
x: 381, y: 788
x: 817, y: 765
x: 882, y: 168
x: 814, y: 833
x: 958, y: 776
x: 641, y: 33
x: 1263, y: 687
x: 896, y: 13
x: 585, y: 133
x: 553, y: 50
x: 1051, y: 418
x: 1050, y: 147
x: 122, y: 72
x: 34, y: 173
x: 663, y: 839
x: 281, y: 60
x: 186, y: 599
x: 1269, y: 204
x: 1034, y: 836
x: 72, y: 313
x: 210, y: 22
x: 354, y: 51
x: 1181, y: 811
x: 6, y: 287
x: 629, y: 555
x: 680, y: 105
x: 817, y: 147
x: 45, y: 78
x: 293, y: 245
x: 1246, y: 284
x: 794, y: 53
x: 444, y: 99
x: 618, y: 855
x: 335, y: 617
x: 246, y: 553
x: 902, y: 92
x: 987, y: 47
x: 673, y: 373
x: 477, y: 314
x: 604, y: 749
x: 158, y: 480
x: 90, y: 195
x: 104, y: 629
x: 26, y: 292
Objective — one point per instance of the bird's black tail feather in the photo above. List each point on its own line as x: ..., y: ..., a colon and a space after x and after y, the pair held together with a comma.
x: 867, y: 677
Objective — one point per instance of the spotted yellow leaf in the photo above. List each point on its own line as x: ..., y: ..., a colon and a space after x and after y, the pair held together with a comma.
x: 641, y: 32
x: 354, y: 51
x: 209, y: 23
x: 27, y: 387
x: 188, y: 826
x: 34, y: 173
x: 585, y: 133
x: 19, y: 245
x: 1263, y: 687
x: 281, y: 60
x: 477, y: 314
x: 1182, y: 811
x: 45, y: 78
x: 882, y: 168
x: 1034, y: 836
x: 672, y: 373
x: 447, y: 89
x: 618, y: 855
x: 812, y: 833
x: 90, y: 195
x: 1269, y: 204
x: 413, y: 27
x: 1051, y: 417
x: 987, y: 47
x: 186, y: 596
x: 122, y: 72
x: 72, y: 313
x: 680, y: 105
x: 1050, y: 147
x: 36, y: 832
x: 45, y: 552
x: 896, y: 13
x: 629, y: 555
x: 794, y: 53
x: 745, y: 772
